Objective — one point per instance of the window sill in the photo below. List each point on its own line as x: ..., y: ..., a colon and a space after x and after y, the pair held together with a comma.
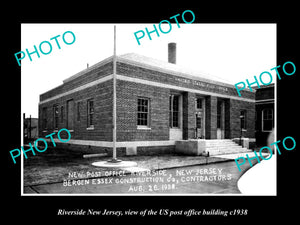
x: 175, y: 128
x: 143, y: 128
x: 90, y: 128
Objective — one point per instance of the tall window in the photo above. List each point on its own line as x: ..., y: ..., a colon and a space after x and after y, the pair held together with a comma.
x: 55, y: 116
x: 267, y: 119
x: 199, y: 103
x: 243, y: 118
x: 143, y: 112
x: 174, y: 111
x: 90, y: 111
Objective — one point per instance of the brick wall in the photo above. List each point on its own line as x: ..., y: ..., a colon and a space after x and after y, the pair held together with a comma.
x: 235, y: 123
x: 227, y: 119
x: 127, y: 95
x: 189, y: 119
x: 147, y: 74
x: 102, y: 96
x: 211, y: 117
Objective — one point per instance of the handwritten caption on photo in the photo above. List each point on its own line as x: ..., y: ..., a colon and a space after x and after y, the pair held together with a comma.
x: 149, y: 181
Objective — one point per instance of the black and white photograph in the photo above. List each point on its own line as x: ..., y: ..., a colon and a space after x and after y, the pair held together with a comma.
x: 123, y: 114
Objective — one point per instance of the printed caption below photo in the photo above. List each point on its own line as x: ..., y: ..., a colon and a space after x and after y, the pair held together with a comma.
x: 153, y: 212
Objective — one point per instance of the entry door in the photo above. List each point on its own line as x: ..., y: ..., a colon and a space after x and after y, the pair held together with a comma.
x: 199, y: 126
x: 175, y: 117
x: 70, y: 115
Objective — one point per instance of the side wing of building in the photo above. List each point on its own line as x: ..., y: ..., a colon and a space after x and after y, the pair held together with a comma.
x: 82, y: 104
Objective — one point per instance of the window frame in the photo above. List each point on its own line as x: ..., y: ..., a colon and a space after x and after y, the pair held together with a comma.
x: 89, y: 125
x: 171, y: 112
x: 146, y: 118
x: 201, y: 103
x: 263, y: 119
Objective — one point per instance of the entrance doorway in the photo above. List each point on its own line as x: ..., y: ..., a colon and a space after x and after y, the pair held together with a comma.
x: 175, y: 117
x: 199, y: 126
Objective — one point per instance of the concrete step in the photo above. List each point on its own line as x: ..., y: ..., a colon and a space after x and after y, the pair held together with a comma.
x: 224, y: 149
x: 214, y: 147
x: 219, y: 142
x: 220, y: 145
x: 224, y: 146
x: 227, y: 149
x: 224, y: 152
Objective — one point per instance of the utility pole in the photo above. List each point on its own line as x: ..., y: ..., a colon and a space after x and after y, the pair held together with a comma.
x: 114, y: 162
x: 114, y: 158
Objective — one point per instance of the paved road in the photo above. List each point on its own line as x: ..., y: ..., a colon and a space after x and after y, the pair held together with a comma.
x: 217, y: 178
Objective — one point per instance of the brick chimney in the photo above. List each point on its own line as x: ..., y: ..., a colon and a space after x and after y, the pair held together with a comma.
x: 172, y: 52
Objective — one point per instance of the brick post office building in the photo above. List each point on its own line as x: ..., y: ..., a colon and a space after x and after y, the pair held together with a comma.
x: 157, y: 103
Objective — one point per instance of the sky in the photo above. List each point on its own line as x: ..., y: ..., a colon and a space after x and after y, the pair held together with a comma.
x: 232, y: 52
